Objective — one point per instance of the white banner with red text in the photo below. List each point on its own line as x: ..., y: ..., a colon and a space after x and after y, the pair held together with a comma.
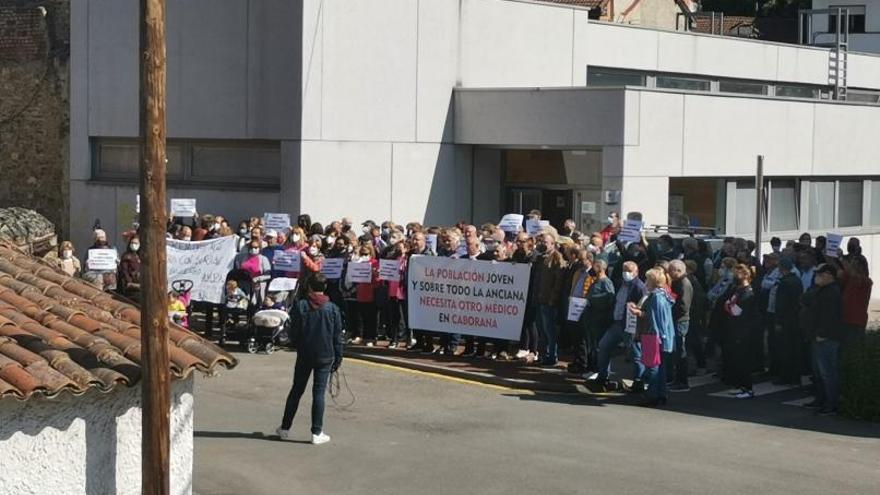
x: 482, y: 298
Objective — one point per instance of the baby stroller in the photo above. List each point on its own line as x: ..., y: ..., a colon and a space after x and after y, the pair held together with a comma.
x: 271, y: 325
x: 237, y: 320
x: 182, y: 291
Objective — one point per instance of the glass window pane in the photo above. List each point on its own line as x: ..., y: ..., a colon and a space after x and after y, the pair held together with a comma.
x: 119, y: 160
x: 795, y: 91
x: 684, y: 83
x: 742, y: 87
x: 240, y: 164
x: 783, y: 205
x: 745, y: 207
x: 821, y: 205
x: 607, y: 77
x: 875, y: 202
x: 849, y: 207
x: 862, y: 96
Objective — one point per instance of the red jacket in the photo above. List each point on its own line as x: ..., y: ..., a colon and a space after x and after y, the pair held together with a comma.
x: 366, y: 292
x: 856, y: 297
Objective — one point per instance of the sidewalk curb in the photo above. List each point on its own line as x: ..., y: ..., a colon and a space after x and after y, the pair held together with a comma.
x: 475, y: 376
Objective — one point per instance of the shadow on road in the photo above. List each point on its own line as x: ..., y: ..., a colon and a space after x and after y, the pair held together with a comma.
x: 257, y: 435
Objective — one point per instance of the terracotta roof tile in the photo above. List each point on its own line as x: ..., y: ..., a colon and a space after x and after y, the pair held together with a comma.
x: 61, y: 334
x: 579, y: 3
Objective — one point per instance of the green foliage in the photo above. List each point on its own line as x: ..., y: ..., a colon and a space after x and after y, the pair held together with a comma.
x: 860, y: 377
x: 761, y: 8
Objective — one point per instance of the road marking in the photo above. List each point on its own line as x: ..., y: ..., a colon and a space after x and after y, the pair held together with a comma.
x: 441, y: 376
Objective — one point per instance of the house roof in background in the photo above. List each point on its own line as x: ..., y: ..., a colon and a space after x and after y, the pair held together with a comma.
x: 60, y: 334
x: 578, y: 3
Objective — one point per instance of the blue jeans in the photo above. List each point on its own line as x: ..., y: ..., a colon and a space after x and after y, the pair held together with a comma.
x: 656, y: 377
x: 612, y: 338
x: 825, y: 357
x: 638, y: 368
x: 547, y: 326
x: 301, y: 374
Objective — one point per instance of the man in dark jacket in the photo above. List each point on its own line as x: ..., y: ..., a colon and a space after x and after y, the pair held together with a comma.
x: 317, y: 325
x: 786, y: 332
x: 827, y: 334
x: 681, y: 312
x: 631, y: 291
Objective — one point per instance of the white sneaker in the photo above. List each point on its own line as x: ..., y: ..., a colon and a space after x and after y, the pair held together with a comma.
x: 521, y: 353
x: 370, y: 344
x: 745, y: 394
x: 320, y: 438
x: 283, y: 434
x: 356, y: 341
x: 412, y: 342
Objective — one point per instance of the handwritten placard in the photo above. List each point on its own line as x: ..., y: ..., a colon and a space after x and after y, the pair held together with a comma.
x: 576, y: 306
x: 389, y: 270
x: 832, y: 245
x: 631, y: 231
x: 332, y: 268
x: 511, y: 222
x: 360, y: 273
x: 288, y: 261
x: 183, y: 207
x: 102, y: 259
x: 204, y: 263
x: 282, y: 284
x: 276, y: 221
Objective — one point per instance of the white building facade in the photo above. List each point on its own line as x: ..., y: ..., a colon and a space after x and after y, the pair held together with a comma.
x: 440, y: 110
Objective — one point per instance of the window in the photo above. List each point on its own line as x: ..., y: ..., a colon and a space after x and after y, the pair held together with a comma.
x: 745, y: 207
x: 613, y: 77
x: 685, y: 83
x: 247, y: 163
x: 752, y: 88
x: 862, y: 96
x: 821, y: 205
x: 797, y: 91
x: 856, y: 17
x: 849, y: 204
x: 875, y: 203
x: 697, y: 202
x: 782, y: 206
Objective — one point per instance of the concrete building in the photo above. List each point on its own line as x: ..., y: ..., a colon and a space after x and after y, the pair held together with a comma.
x: 864, y: 24
x: 437, y: 110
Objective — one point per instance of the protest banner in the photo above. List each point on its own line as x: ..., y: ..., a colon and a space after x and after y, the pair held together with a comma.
x: 360, y: 273
x: 431, y: 242
x: 282, y: 283
x: 102, y: 260
x: 287, y: 261
x: 276, y: 221
x: 832, y: 244
x: 204, y: 263
x: 631, y: 231
x: 183, y: 207
x: 511, y: 222
x: 389, y: 270
x: 332, y: 268
x: 469, y: 297
x: 576, y: 306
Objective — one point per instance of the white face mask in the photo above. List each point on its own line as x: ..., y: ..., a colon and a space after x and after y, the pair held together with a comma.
x: 331, y: 239
x: 254, y: 251
x: 187, y: 238
x: 242, y: 232
x: 610, y: 219
x: 628, y: 276
x: 349, y: 249
x: 134, y: 247
x: 216, y: 226
x: 313, y: 251
x: 295, y: 237
x: 366, y: 229
x: 67, y: 254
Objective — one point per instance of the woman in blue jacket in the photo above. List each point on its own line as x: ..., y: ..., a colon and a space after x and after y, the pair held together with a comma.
x: 656, y: 332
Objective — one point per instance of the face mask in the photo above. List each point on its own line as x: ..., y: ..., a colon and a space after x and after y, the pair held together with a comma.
x: 67, y: 254
x: 134, y: 247
x: 187, y: 238
x: 295, y: 237
x: 242, y: 232
x: 331, y: 239
x: 346, y: 228
x: 366, y: 229
x: 313, y: 251
x: 385, y: 231
x: 254, y: 251
x: 593, y: 249
x: 610, y: 219
x: 349, y: 249
x: 541, y: 248
x: 628, y: 276
x: 216, y: 226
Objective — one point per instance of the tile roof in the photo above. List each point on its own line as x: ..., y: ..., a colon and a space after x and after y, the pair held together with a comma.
x: 578, y: 3
x: 60, y: 334
x: 735, y: 25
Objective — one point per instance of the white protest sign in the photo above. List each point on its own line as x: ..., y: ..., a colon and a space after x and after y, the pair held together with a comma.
x: 576, y: 307
x: 832, y: 245
x: 631, y: 321
x: 360, y: 273
x: 282, y: 284
x: 276, y: 221
x: 467, y: 297
x: 332, y: 268
x: 631, y: 231
x: 183, y: 207
x: 137, y: 203
x: 102, y: 259
x: 431, y: 242
x: 511, y: 223
x: 204, y: 263
x: 287, y: 261
x: 389, y: 270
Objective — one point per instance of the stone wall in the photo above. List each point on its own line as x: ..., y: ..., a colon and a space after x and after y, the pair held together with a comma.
x: 34, y: 107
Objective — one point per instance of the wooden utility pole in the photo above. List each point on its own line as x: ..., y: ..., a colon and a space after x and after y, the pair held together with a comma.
x: 156, y: 384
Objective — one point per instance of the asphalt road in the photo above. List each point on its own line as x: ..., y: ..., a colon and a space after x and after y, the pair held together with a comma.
x: 413, y: 433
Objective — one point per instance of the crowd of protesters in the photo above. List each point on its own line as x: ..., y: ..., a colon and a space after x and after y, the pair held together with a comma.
x: 676, y: 307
